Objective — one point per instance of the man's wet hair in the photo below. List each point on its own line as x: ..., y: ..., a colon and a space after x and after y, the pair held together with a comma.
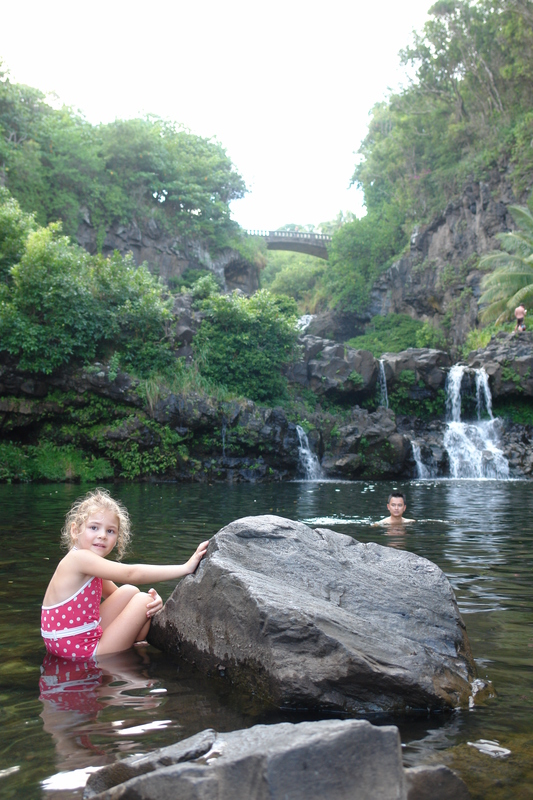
x: 397, y: 494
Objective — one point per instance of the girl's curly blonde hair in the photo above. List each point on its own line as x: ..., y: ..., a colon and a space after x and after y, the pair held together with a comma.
x: 84, y: 507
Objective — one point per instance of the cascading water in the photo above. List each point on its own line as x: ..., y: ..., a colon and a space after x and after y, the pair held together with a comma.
x: 383, y: 396
x: 308, y: 463
x: 421, y: 469
x: 472, y: 447
x: 303, y: 322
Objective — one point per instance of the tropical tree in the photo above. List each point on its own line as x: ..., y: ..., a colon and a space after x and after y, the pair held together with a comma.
x: 511, y: 282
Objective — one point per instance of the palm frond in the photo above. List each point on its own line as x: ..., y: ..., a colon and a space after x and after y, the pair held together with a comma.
x: 523, y: 218
x: 495, y: 311
x: 524, y: 295
x: 518, y: 276
x: 517, y: 242
x: 497, y: 258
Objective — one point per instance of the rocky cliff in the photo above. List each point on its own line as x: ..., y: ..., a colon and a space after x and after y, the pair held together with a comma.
x: 123, y: 428
x: 168, y: 255
x: 437, y: 280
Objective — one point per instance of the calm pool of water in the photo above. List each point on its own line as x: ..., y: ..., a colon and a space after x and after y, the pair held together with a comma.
x: 479, y: 532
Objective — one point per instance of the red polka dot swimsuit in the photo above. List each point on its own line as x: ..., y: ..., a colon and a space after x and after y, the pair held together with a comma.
x: 71, y: 629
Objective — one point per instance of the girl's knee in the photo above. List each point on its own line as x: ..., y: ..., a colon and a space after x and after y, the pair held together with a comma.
x: 129, y: 589
x: 140, y: 599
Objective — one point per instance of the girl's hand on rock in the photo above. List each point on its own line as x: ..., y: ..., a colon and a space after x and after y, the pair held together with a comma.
x: 155, y: 605
x: 196, y: 557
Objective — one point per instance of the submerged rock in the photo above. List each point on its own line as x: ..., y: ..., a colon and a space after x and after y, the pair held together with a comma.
x: 334, y: 759
x: 314, y: 619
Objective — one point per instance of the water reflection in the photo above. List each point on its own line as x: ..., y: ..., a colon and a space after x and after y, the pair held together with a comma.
x: 74, y: 696
x: 479, y: 532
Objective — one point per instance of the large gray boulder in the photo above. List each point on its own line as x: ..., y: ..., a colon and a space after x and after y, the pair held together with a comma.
x: 332, y: 369
x: 334, y: 759
x: 314, y: 619
x: 367, y: 445
x: 429, y: 366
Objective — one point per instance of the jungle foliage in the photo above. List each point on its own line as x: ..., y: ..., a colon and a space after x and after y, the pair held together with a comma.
x: 243, y: 343
x: 394, y: 333
x: 511, y: 282
x: 59, y: 304
x: 60, y: 167
x: 466, y: 111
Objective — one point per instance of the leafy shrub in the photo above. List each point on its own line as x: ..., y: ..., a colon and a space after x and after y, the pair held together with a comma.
x: 293, y: 274
x: 205, y: 287
x: 187, y: 279
x: 61, y: 304
x: 244, y: 342
x: 478, y: 338
x: 50, y: 462
x: 430, y: 336
x: 390, y: 334
x: 359, y: 252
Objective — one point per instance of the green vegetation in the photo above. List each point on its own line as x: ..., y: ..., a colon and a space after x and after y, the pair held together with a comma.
x: 394, y: 333
x: 466, y: 112
x: 60, y: 167
x: 511, y: 282
x: 478, y: 338
x: 294, y: 274
x: 244, y: 342
x: 59, y: 304
x: 411, y: 397
x: 50, y: 462
x: 516, y: 409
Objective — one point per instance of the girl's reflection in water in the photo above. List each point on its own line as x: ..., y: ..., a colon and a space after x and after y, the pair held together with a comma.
x: 75, y: 695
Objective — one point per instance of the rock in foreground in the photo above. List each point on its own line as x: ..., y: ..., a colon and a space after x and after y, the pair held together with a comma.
x: 334, y: 759
x: 314, y: 619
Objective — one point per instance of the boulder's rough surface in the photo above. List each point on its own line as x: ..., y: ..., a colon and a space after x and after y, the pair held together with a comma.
x: 314, y: 619
x: 169, y: 255
x: 439, y: 782
x: 334, y: 759
x: 508, y: 361
x: 327, y: 760
x: 366, y: 445
x: 334, y: 370
x: 429, y: 366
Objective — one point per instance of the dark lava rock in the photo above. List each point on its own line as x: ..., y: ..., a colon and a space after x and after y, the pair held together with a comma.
x: 314, y: 619
x: 508, y: 361
x: 333, y: 759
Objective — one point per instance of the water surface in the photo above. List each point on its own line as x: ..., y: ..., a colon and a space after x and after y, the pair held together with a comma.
x: 478, y: 532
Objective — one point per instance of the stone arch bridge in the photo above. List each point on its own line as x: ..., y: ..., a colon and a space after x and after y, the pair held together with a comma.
x: 312, y: 244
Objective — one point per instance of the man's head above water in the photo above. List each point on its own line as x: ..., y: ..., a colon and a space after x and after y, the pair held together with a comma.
x: 396, y: 504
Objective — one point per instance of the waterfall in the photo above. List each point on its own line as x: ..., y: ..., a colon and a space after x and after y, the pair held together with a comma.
x: 308, y: 462
x: 303, y: 322
x: 422, y: 470
x: 472, y: 447
x: 384, y: 397
x: 223, y: 431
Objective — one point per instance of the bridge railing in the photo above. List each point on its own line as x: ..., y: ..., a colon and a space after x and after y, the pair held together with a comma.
x: 307, y: 235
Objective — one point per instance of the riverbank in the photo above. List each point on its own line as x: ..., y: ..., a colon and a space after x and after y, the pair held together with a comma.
x: 364, y: 418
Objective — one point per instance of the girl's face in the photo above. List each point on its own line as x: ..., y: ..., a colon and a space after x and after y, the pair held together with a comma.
x: 99, y: 533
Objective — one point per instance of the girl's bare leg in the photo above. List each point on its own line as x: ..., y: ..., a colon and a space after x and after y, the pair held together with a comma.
x: 130, y: 625
x: 116, y: 603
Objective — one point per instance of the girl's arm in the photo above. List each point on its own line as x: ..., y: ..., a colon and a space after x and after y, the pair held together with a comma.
x: 89, y: 563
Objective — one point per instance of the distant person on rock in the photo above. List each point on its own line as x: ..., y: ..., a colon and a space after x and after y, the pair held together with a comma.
x: 520, y: 312
x: 396, y: 507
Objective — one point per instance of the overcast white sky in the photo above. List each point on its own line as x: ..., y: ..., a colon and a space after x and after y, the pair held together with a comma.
x: 286, y: 86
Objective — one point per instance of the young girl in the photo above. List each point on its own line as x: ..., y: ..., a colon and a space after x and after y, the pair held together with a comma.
x: 74, y: 624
